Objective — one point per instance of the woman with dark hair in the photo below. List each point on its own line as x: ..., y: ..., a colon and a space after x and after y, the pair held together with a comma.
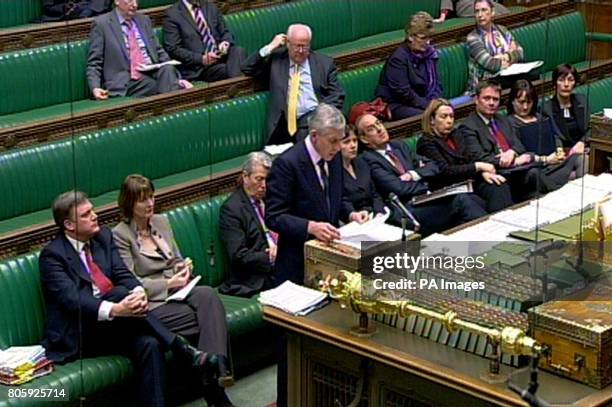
x: 359, y: 188
x: 409, y: 79
x: 540, y: 135
x: 570, y: 112
x: 148, y: 249
x: 441, y: 142
x: 464, y: 8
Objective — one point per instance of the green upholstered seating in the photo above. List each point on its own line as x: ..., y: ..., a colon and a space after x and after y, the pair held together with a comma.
x: 36, y: 174
x: 19, y: 12
x: 23, y: 317
x: 169, y: 149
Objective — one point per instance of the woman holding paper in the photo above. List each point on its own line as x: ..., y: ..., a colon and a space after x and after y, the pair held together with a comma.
x: 492, y: 47
x: 441, y: 143
x: 146, y: 245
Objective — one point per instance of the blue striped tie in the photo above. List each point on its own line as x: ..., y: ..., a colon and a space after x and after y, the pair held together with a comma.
x: 210, y: 45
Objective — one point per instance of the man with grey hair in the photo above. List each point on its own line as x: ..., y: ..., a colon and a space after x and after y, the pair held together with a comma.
x: 250, y: 245
x: 95, y: 306
x: 304, y: 201
x: 298, y: 79
x: 304, y: 195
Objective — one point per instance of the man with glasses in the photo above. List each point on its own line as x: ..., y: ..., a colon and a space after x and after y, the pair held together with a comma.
x: 298, y: 79
x: 409, y: 79
x: 122, y: 44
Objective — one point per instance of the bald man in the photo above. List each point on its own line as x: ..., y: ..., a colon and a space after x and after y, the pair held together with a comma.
x: 286, y: 60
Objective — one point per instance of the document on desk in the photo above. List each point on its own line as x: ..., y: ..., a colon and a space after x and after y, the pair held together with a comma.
x: 293, y: 299
x: 520, y: 68
x: 181, y: 294
x: 374, y: 230
x: 152, y: 67
x: 464, y: 187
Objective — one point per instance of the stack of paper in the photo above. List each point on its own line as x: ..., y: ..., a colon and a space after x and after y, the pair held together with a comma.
x: 293, y: 299
x: 374, y: 230
x: 20, y: 364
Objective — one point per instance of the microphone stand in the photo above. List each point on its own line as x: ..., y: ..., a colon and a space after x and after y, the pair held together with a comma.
x: 529, y: 394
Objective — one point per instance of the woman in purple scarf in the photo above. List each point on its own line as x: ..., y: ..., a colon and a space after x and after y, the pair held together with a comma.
x: 409, y: 79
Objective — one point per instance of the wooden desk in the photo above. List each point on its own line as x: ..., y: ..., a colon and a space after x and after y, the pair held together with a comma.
x: 399, y: 369
x: 600, y: 157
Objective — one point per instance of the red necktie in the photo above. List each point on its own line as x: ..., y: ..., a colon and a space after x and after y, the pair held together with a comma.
x: 498, y: 135
x: 396, y: 162
x: 136, y: 57
x: 97, y: 276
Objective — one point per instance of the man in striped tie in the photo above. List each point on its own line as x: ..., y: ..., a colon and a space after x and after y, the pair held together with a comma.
x: 196, y: 35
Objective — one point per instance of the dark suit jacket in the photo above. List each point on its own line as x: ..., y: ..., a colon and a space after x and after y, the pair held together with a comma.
x: 182, y: 38
x: 245, y: 243
x: 108, y: 63
x: 274, y: 71
x: 477, y: 142
x: 68, y: 291
x: 360, y: 191
x: 454, y: 167
x: 580, y: 110
x: 55, y: 10
x: 386, y: 176
x: 405, y: 83
x: 295, y: 197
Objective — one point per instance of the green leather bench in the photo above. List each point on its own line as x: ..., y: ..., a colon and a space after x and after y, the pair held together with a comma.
x: 23, y: 317
x: 171, y: 149
x: 48, y: 64
x: 35, y: 174
x: 19, y: 12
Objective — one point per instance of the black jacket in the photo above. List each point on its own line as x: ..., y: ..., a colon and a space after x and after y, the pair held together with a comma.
x: 580, y: 111
x: 245, y: 243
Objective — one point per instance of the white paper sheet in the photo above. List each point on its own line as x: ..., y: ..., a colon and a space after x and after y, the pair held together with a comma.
x: 181, y: 294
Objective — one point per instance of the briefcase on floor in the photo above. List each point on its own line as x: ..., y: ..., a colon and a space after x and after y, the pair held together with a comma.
x: 578, y: 332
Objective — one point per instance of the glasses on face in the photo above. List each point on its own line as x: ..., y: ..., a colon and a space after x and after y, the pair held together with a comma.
x: 300, y: 48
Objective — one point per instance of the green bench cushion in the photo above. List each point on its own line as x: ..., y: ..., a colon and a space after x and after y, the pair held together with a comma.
x: 35, y: 175
x: 21, y: 12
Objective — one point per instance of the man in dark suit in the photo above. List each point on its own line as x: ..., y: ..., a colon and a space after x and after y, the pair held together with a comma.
x: 298, y: 80
x: 396, y: 169
x: 195, y: 34
x: 120, y: 43
x: 304, y: 201
x: 60, y: 10
x: 95, y: 306
x: 250, y: 245
x: 487, y: 136
x: 304, y: 197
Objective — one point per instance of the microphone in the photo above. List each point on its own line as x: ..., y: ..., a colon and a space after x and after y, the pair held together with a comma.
x: 395, y: 201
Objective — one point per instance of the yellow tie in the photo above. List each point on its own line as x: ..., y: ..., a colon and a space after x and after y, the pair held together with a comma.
x: 293, y: 101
